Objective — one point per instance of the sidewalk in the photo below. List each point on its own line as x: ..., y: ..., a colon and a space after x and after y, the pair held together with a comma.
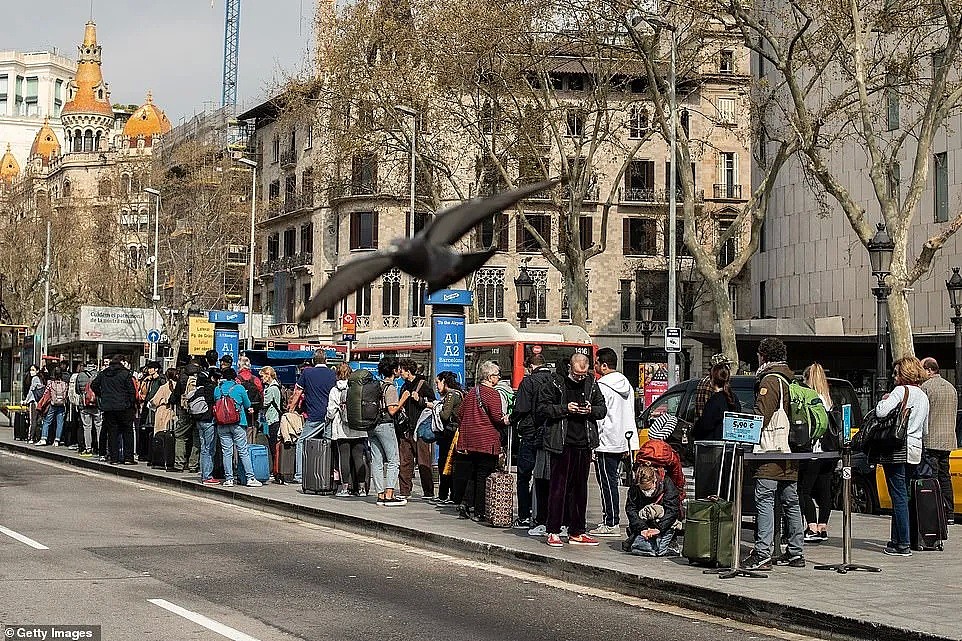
x: 910, y: 598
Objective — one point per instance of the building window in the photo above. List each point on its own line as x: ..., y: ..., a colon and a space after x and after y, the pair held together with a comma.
x: 726, y: 111
x: 639, y: 237
x: 526, y: 241
x: 309, y: 141
x: 760, y: 58
x: 364, y: 174
x: 276, y: 149
x: 727, y: 252
x: 307, y: 238
x: 733, y: 295
x: 726, y: 62
x: 763, y: 299
x: 487, y: 118
x: 585, y: 232
x: 680, y: 248
x: 576, y: 82
x: 421, y: 219
x: 4, y: 89
x: 362, y: 301
x: 640, y: 181
x: 895, y: 180
x: 892, y: 102
x: 290, y: 240
x: 31, y: 96
x: 637, y: 122
x: 539, y: 294
x: 624, y: 293
x: 727, y: 186
x: 391, y: 293
x: 493, y: 232
x: 290, y: 189
x: 274, y: 190
x: 57, y: 98
x: 531, y: 169
x: 489, y: 293
x: 293, y: 144
x: 273, y: 246
x: 363, y: 230
x: 492, y: 181
x: 941, y: 187
x: 420, y: 298
x: 653, y: 285
x: 574, y: 123
x: 19, y: 108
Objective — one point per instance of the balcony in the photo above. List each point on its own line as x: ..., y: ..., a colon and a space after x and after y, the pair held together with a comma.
x: 297, y: 202
x: 285, y: 330
x: 646, y: 195
x: 289, y: 158
x: 236, y: 257
x: 302, y: 260
x: 726, y: 191
x: 348, y: 188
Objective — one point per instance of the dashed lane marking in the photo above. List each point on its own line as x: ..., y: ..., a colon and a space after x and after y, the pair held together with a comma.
x: 214, y: 626
x: 23, y: 539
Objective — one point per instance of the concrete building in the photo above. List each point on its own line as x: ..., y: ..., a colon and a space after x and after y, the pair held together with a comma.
x: 321, y: 209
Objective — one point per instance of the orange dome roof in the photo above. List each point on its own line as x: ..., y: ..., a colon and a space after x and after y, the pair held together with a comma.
x: 92, y: 95
x: 148, y: 120
x: 9, y: 168
x: 45, y: 144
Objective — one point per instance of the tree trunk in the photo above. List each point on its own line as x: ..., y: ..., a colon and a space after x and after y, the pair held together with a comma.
x: 900, y: 323
x: 726, y: 319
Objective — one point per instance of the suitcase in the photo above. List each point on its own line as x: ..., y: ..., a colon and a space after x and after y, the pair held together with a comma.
x: 317, y: 475
x: 927, y: 525
x: 709, y: 522
x: 162, y: 450
x: 285, y: 462
x: 499, y: 499
x: 21, y: 426
x: 260, y: 462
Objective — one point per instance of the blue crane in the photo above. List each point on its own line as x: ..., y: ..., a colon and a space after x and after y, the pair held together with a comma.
x: 231, y: 49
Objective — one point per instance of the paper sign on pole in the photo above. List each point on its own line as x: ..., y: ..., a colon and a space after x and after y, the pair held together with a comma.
x: 200, y: 336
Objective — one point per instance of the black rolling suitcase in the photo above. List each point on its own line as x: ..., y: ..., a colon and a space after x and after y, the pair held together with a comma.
x: 317, y: 475
x: 162, y: 450
x: 927, y: 526
x: 21, y: 425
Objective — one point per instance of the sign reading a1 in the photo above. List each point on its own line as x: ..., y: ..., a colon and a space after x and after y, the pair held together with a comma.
x: 742, y: 428
x: 348, y: 327
x: 673, y: 339
x: 447, y: 345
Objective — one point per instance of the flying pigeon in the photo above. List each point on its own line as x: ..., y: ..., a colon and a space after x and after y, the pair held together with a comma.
x: 428, y: 256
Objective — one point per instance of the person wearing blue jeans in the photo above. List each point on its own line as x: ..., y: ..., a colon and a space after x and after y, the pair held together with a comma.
x: 652, y: 508
x: 312, y: 429
x: 766, y: 491
x: 313, y: 393
x: 207, y: 445
x: 897, y: 477
x: 234, y: 434
x: 385, y: 453
x: 54, y: 412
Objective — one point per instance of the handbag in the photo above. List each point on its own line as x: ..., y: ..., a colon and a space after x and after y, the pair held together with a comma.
x: 425, y: 430
x: 44, y: 402
x: 891, y: 429
x: 775, y: 434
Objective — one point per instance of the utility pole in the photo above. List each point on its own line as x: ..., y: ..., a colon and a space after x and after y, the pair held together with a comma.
x: 45, y: 343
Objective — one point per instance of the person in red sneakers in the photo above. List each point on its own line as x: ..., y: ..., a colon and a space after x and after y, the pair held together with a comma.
x: 570, y: 407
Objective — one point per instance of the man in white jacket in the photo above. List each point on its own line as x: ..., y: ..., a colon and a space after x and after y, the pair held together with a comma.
x: 617, y: 435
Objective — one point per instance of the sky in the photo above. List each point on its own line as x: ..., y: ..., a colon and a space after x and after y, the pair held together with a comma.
x: 172, y: 47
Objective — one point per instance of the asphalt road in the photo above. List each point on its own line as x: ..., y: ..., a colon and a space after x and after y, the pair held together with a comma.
x: 123, y: 555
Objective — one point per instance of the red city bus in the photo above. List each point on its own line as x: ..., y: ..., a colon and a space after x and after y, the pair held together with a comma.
x: 499, y: 342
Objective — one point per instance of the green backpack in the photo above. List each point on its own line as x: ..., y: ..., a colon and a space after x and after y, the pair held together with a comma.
x: 808, y: 417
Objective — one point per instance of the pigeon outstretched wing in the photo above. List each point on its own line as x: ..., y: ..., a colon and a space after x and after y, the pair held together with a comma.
x: 345, y: 281
x: 450, y: 225
x: 467, y: 264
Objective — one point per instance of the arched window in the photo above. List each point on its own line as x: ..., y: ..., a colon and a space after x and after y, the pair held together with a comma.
x: 125, y: 184
x: 66, y: 189
x: 78, y: 140
x: 88, y: 140
x: 104, y: 188
x: 97, y: 141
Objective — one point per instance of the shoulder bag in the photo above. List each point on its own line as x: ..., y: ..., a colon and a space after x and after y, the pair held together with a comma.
x: 775, y: 434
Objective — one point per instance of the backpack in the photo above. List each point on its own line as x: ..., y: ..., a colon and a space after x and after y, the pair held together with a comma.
x: 253, y: 393
x: 808, y: 420
x: 58, y: 393
x: 365, y: 401
x: 80, y: 385
x: 225, y: 409
x: 89, y: 397
x: 189, y: 389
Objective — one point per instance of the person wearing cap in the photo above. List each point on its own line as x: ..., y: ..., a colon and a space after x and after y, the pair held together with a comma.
x: 705, y: 388
x: 708, y: 426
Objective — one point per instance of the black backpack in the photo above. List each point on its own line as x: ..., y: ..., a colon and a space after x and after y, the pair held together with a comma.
x: 256, y: 396
x: 365, y: 401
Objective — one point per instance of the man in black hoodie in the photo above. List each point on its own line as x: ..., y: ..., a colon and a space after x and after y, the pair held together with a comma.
x: 531, y: 432
x: 115, y: 388
x: 195, y: 430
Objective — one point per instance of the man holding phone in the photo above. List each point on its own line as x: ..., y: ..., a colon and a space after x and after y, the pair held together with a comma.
x: 571, y: 407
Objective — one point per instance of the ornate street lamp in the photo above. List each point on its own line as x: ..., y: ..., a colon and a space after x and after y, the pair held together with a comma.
x: 880, y: 250
x: 954, y: 285
x: 647, y: 309
x: 524, y: 286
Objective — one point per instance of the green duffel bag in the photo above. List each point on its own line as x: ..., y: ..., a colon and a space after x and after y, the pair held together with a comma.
x: 708, y: 533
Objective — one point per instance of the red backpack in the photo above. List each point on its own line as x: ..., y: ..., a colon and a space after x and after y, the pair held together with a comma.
x: 225, y: 409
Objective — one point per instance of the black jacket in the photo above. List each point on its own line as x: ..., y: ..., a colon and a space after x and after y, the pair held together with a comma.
x: 203, y: 381
x: 637, y: 501
x: 115, y: 388
x: 523, y: 418
x: 552, y: 409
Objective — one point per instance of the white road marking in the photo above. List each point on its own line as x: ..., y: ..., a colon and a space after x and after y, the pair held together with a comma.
x: 214, y: 626
x: 22, y: 538
x: 645, y: 604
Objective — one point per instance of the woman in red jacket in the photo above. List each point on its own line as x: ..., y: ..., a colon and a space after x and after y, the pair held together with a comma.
x: 479, y: 440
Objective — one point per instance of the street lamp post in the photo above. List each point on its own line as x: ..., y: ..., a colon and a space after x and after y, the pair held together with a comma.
x: 954, y: 285
x: 250, y: 256
x: 647, y: 309
x: 413, y: 114
x: 524, y: 286
x: 880, y: 250
x: 155, y: 298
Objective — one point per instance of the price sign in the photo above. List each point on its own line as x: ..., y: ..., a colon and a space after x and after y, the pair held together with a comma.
x: 742, y: 428
x: 846, y: 423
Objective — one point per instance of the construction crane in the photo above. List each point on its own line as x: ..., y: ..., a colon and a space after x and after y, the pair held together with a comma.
x: 231, y: 50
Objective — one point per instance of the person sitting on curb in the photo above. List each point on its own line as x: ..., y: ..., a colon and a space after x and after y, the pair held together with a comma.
x: 653, y: 508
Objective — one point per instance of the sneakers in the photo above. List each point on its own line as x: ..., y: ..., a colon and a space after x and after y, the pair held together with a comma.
x: 756, y: 561
x: 606, y: 530
x: 86, y: 454
x: 228, y: 484
x: 564, y: 530
x: 343, y: 492
x: 427, y: 498
x: 582, y: 539
x: 894, y: 551
x: 403, y: 497
x: 538, y: 530
x: 394, y: 501
x: 41, y: 444
x: 102, y: 459
x: 521, y: 524
x: 211, y: 482
x: 73, y: 447
x: 797, y: 561
x: 812, y: 537
x: 254, y: 483
x: 555, y: 541
x: 56, y: 442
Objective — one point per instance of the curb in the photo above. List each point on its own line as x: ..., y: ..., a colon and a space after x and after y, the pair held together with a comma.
x: 750, y: 610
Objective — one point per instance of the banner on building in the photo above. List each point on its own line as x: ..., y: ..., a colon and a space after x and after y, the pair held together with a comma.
x: 653, y: 380
x: 116, y: 324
